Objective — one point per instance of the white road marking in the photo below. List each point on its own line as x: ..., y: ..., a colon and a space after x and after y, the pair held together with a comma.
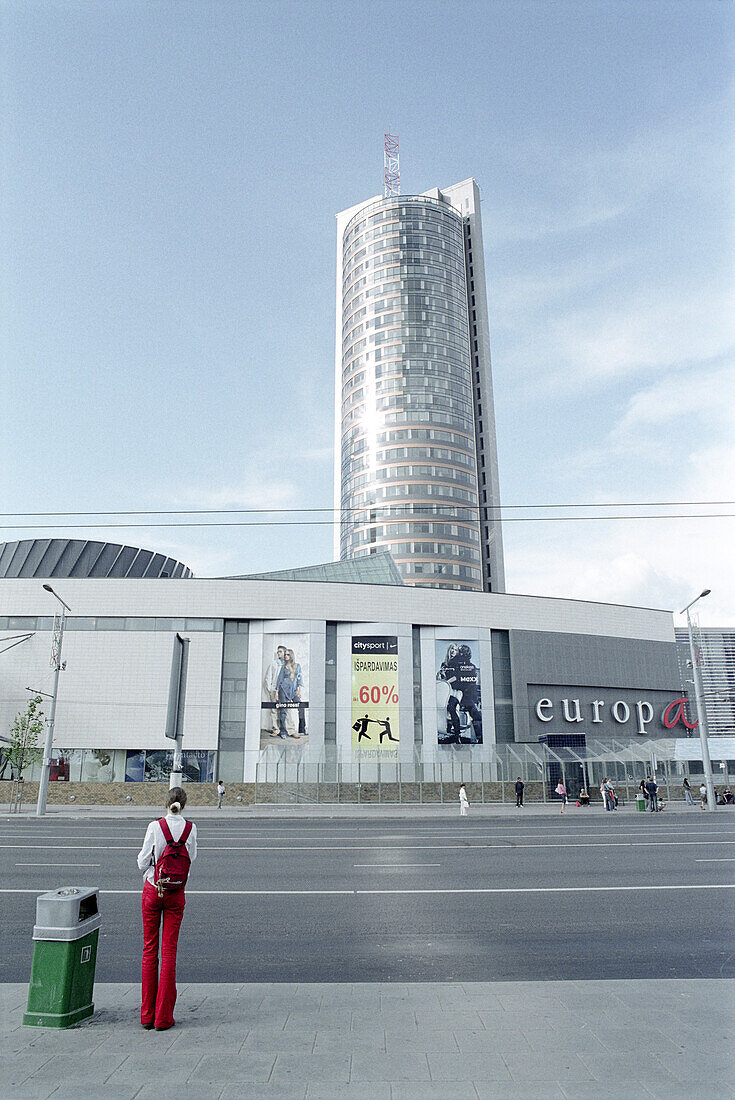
x: 458, y: 890
x: 58, y: 865
x: 88, y: 845
x: 214, y: 837
x: 396, y: 864
x: 729, y: 859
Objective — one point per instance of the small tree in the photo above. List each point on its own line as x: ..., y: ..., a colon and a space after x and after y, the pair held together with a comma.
x: 23, y: 749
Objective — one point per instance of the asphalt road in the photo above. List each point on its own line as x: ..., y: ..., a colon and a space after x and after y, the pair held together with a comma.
x: 320, y: 900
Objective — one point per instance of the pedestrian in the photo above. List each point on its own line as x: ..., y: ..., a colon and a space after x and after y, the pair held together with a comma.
x: 703, y: 795
x: 688, y: 797
x: 519, y: 792
x: 463, y: 803
x: 652, y: 788
x: 169, y: 847
x: 605, y: 794
x: 220, y: 793
x: 562, y: 792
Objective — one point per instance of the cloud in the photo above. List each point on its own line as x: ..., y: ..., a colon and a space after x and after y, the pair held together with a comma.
x: 567, y: 192
x: 674, y: 440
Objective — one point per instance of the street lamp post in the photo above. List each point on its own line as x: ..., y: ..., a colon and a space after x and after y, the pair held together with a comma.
x: 48, y: 747
x: 701, y: 712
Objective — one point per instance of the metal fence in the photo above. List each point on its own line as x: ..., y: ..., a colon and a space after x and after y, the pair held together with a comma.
x: 330, y: 775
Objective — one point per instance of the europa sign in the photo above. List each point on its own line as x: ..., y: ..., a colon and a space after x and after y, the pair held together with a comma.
x: 642, y: 711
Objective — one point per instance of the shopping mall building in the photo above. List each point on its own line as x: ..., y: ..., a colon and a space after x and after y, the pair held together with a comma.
x: 330, y: 666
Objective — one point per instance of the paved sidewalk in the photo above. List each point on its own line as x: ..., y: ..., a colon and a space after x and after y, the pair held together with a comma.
x: 385, y: 1041
x: 430, y: 812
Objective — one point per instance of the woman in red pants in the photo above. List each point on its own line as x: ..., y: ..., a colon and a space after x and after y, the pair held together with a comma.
x: 159, y: 994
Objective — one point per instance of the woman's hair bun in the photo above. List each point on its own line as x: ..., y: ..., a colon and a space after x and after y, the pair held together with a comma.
x: 176, y: 799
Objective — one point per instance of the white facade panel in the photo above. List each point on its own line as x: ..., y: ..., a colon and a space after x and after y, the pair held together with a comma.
x: 238, y: 599
x: 113, y: 692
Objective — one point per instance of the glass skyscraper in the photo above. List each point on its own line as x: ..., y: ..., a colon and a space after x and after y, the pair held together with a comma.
x: 416, y: 468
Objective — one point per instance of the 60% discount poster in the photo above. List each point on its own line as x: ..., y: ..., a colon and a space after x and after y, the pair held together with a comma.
x: 375, y: 695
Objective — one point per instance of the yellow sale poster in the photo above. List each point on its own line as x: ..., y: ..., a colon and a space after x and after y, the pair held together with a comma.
x: 375, y: 695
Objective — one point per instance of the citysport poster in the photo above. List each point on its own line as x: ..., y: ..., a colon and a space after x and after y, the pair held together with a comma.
x: 284, y: 701
x: 458, y: 694
x: 375, y: 696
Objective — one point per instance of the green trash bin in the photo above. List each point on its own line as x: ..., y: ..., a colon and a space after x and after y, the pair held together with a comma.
x: 640, y: 804
x: 64, y: 957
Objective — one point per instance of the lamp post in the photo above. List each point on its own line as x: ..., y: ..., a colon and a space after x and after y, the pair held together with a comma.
x: 701, y: 713
x: 46, y: 766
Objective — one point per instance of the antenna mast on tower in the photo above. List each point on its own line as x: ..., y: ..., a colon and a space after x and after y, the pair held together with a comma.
x: 390, y: 162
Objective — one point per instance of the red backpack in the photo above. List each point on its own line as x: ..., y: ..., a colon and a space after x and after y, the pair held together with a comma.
x: 172, y: 869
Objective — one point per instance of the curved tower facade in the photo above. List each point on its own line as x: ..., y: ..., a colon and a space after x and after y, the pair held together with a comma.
x: 415, y: 455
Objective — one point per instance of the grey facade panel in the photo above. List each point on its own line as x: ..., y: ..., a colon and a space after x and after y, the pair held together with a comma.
x: 38, y: 548
x: 124, y: 560
x: 50, y: 560
x: 140, y: 564
x: 558, y: 665
x: 106, y: 558
x: 155, y: 566
x: 83, y: 558
x: 84, y: 565
x: 18, y: 559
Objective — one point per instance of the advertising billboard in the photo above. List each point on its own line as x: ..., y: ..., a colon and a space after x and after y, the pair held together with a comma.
x: 284, y: 707
x: 458, y: 693
x: 375, y: 695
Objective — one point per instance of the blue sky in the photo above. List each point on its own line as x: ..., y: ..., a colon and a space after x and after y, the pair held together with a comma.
x: 170, y: 177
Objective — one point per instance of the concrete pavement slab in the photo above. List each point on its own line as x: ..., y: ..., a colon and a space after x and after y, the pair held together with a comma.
x: 468, y: 1067
x: 431, y: 1090
x: 160, y: 1090
x: 405, y: 1066
x: 512, y: 1090
x: 253, y: 1067
x: 217, y: 1054
x: 291, y: 1069
x: 329, y: 1042
x: 379, y: 1090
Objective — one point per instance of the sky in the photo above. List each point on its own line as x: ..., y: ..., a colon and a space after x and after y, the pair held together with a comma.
x: 170, y: 176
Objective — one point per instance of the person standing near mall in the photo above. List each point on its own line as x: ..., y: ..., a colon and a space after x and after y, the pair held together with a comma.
x: 562, y: 792
x: 463, y: 801
x: 703, y: 795
x: 652, y: 788
x: 163, y: 909
x: 220, y: 793
x: 688, y: 796
x: 519, y: 792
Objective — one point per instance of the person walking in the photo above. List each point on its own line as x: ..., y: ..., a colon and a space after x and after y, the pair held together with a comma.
x: 703, y: 795
x: 562, y: 792
x: 652, y: 788
x: 463, y: 802
x: 174, y: 839
x: 519, y: 792
x: 220, y: 793
x: 688, y: 796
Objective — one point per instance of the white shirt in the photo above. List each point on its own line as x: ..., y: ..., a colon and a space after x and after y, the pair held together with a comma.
x: 155, y: 842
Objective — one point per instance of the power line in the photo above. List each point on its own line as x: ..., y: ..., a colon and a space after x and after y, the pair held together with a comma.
x: 300, y: 511
x: 330, y: 523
